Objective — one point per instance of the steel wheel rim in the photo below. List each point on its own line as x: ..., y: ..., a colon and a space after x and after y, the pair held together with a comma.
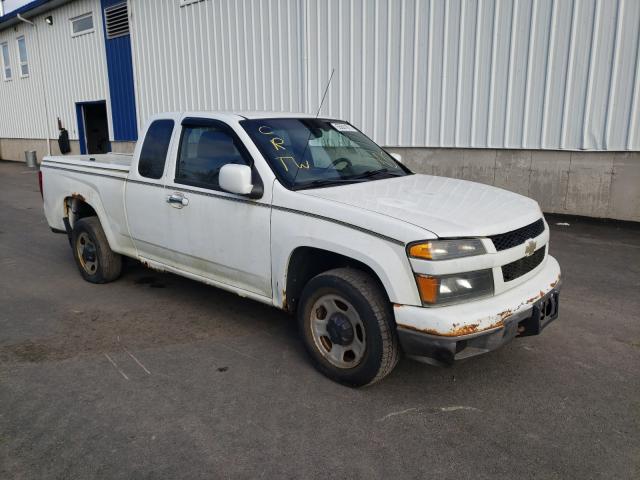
x: 87, y: 253
x: 341, y: 356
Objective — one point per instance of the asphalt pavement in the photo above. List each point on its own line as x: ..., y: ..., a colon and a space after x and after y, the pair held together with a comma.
x: 156, y: 376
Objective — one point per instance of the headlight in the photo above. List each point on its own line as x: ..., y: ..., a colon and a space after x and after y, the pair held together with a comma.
x: 460, y: 287
x: 446, y: 249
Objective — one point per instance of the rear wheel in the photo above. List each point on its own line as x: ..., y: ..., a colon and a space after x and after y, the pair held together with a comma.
x: 93, y: 255
x: 347, y: 327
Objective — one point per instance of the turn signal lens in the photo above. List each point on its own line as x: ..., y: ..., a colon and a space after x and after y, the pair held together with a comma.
x: 446, y: 249
x: 420, y: 250
x: 428, y: 288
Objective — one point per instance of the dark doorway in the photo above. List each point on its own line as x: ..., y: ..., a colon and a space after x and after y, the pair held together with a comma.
x: 93, y: 127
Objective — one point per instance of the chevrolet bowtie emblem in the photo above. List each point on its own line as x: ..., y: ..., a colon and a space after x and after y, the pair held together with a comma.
x: 530, y: 248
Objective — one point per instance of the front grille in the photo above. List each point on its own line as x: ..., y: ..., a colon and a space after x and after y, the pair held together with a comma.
x: 516, y: 269
x: 517, y: 237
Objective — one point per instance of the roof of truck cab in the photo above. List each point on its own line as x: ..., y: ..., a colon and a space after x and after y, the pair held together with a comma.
x: 254, y: 115
x: 251, y: 115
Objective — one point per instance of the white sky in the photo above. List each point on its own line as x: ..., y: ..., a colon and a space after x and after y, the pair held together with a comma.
x: 13, y: 4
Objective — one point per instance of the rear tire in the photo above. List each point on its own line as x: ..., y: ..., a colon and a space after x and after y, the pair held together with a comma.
x: 93, y: 255
x: 347, y: 327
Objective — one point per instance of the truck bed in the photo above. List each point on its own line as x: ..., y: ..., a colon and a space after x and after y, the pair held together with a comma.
x: 120, y: 162
x: 97, y: 180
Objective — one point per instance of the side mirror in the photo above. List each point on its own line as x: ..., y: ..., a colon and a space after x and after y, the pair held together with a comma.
x: 396, y: 156
x: 236, y: 179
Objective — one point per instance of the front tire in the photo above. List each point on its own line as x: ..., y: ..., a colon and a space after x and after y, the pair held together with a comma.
x: 93, y: 255
x: 347, y: 327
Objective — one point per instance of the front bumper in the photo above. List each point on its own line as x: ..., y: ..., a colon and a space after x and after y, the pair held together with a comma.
x: 445, y: 334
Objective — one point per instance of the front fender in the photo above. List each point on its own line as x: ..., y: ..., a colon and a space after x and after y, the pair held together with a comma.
x: 386, y: 258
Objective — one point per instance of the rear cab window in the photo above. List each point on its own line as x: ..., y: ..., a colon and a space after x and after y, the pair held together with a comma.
x: 153, y: 154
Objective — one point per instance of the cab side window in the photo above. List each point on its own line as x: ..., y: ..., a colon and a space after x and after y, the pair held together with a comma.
x: 204, y: 150
x: 154, y: 149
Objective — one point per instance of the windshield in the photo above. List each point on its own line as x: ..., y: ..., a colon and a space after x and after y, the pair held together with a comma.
x: 310, y: 152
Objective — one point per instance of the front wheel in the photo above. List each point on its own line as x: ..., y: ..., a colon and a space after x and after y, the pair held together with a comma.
x: 347, y: 327
x: 93, y: 255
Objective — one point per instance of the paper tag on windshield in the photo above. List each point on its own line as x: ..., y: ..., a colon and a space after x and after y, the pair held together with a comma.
x: 343, y: 127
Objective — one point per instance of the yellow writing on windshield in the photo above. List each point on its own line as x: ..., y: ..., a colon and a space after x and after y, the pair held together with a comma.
x: 277, y: 143
x: 283, y: 161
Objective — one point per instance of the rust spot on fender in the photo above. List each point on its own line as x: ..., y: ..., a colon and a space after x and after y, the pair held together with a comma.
x: 455, y: 332
x: 284, y: 300
x: 148, y: 265
x: 537, y: 297
x: 68, y: 204
x: 499, y: 323
x: 420, y: 330
x: 464, y: 330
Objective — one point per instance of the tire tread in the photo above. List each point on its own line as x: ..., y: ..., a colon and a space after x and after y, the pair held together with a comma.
x: 375, y: 296
x: 109, y: 262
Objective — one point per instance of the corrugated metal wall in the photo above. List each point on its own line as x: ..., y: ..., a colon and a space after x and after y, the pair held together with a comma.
x: 21, y: 106
x: 551, y: 74
x: 74, y: 67
x: 217, y: 55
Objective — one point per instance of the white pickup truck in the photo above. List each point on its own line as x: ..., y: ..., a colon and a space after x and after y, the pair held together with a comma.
x: 309, y: 215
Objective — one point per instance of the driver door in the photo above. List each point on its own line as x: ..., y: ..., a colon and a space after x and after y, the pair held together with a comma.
x: 214, y: 234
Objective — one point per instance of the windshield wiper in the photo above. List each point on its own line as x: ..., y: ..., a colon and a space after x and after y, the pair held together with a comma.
x: 325, y: 182
x: 374, y: 173
x: 361, y: 177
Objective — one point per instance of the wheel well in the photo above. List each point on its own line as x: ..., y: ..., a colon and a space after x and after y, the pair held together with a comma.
x: 307, y: 262
x: 76, y: 208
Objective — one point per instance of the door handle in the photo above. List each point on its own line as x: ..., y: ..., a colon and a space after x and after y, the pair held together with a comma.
x: 177, y: 200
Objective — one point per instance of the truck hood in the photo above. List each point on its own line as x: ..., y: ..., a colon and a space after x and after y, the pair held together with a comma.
x: 446, y: 207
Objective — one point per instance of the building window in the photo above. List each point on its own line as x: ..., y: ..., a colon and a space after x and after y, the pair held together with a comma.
x: 22, y: 55
x: 82, y: 24
x: 6, y: 64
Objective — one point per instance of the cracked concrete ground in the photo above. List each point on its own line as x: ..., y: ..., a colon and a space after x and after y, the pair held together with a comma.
x: 156, y: 376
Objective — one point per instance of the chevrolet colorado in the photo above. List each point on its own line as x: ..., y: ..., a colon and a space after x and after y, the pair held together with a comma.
x: 309, y: 215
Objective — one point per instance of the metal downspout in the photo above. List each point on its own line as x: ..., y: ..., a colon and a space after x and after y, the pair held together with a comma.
x: 44, y: 92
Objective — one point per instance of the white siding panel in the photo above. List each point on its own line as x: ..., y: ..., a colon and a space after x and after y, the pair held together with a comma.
x: 578, y: 72
x: 537, y: 68
x: 74, y: 70
x: 480, y: 73
x: 483, y: 70
x: 549, y: 74
x: 520, y: 43
x: 21, y: 105
x: 217, y: 55
x: 624, y: 70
